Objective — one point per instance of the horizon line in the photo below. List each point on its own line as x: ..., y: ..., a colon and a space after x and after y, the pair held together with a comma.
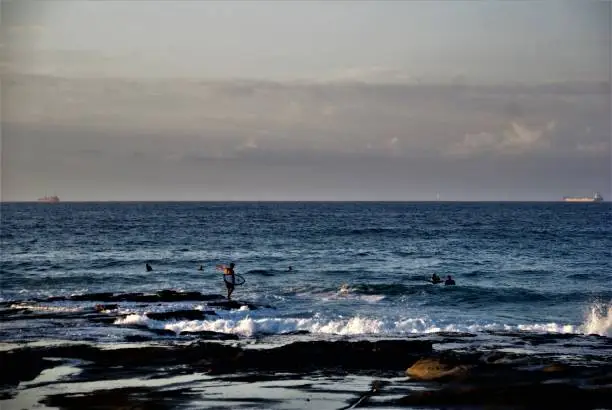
x: 298, y: 201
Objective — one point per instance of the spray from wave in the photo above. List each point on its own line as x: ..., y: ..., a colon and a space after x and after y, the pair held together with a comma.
x: 599, y: 320
x: 357, y: 325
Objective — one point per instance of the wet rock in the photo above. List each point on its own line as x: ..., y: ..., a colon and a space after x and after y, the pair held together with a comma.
x: 92, y: 296
x: 233, y: 304
x: 19, y: 365
x: 137, y: 338
x: 435, y: 369
x: 452, y: 335
x: 109, y: 320
x: 13, y: 314
x: 375, y: 388
x: 555, y: 368
x: 219, y: 358
x: 103, y: 307
x: 517, y: 396
x: 165, y: 295
x: 303, y: 356
x: 159, y: 332
x: 177, y: 314
x: 296, y: 332
x: 503, y: 358
x: 205, y: 334
x: 133, y: 398
x: 32, y: 315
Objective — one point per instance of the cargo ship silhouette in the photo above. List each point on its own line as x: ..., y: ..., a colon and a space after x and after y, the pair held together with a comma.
x: 595, y: 198
x: 49, y: 199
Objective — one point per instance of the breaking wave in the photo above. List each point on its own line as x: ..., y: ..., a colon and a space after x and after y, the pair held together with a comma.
x: 249, y: 326
x: 599, y: 320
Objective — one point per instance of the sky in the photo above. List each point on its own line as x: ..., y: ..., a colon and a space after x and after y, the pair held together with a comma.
x: 305, y: 100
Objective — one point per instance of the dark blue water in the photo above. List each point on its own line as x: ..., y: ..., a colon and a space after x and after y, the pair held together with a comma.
x: 358, y: 268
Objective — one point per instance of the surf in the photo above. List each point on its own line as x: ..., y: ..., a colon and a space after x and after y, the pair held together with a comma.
x: 598, y: 319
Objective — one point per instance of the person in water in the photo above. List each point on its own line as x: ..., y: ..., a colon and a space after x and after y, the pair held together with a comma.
x: 200, y: 268
x: 148, y: 267
x: 229, y: 277
x: 435, y: 279
x: 449, y: 280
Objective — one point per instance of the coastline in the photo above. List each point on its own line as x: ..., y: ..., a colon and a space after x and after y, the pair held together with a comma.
x: 161, y: 369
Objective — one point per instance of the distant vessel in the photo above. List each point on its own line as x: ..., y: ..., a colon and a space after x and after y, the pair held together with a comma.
x: 49, y: 199
x: 595, y: 198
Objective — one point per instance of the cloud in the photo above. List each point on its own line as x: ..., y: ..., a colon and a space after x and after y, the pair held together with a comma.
x: 520, y: 137
x: 270, y: 118
x: 249, y: 144
x: 601, y: 148
x: 516, y: 139
x: 394, y: 147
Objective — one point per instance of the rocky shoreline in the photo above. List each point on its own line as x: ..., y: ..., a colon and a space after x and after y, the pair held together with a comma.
x: 430, y: 378
x: 156, y: 368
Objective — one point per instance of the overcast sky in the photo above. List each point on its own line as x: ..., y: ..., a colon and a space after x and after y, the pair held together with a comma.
x: 345, y: 100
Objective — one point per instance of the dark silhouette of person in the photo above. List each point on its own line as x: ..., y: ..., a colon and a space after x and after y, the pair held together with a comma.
x: 200, y: 268
x: 149, y: 268
x: 435, y: 279
x: 449, y: 280
x: 229, y: 277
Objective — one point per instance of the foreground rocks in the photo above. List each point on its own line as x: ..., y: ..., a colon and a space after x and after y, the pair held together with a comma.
x: 432, y: 379
x: 435, y: 369
x: 559, y: 395
x: 214, y: 358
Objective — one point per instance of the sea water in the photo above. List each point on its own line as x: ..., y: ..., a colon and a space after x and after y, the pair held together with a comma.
x: 357, y: 269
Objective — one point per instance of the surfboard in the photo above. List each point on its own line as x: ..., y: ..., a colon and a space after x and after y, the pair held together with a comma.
x: 239, y: 279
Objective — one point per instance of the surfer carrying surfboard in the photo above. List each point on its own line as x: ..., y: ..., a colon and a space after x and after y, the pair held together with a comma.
x: 229, y: 277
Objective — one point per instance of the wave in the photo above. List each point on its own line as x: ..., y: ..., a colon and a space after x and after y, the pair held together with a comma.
x: 43, y: 308
x: 243, y: 322
x: 261, y: 272
x: 599, y: 319
x: 354, y: 326
x: 466, y: 294
x: 470, y: 295
x: 585, y: 276
x: 368, y: 231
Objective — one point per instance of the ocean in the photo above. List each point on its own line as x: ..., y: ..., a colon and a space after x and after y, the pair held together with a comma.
x: 359, y: 271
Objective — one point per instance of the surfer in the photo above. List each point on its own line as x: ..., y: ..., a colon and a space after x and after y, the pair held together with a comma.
x: 435, y: 279
x: 449, y: 280
x: 148, y: 267
x: 229, y: 277
x: 200, y: 268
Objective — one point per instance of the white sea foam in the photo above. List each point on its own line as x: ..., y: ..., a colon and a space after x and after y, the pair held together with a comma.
x: 45, y: 308
x: 249, y: 326
x: 599, y: 320
x: 345, y: 292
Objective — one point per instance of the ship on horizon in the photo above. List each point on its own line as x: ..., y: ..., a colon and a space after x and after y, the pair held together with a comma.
x: 49, y: 199
x: 595, y: 198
